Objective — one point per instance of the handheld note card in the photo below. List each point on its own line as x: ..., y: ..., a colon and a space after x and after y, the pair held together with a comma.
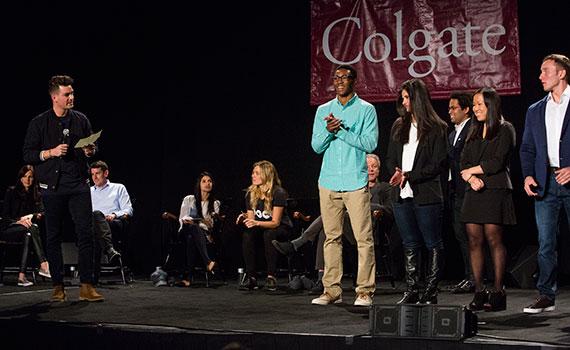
x: 89, y: 140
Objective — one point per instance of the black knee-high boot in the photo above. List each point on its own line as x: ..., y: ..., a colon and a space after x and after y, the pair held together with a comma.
x: 411, y: 295
x: 435, y: 264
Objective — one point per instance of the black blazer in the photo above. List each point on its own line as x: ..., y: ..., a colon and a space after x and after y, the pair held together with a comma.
x: 430, y: 163
x: 45, y: 132
x: 493, y: 156
x: 17, y: 204
x: 457, y: 185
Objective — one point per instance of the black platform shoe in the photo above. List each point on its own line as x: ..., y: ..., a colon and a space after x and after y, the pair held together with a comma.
x: 479, y: 300
x: 497, y: 301
x: 409, y: 297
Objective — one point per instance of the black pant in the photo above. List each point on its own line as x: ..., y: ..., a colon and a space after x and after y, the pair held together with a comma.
x: 57, y: 205
x: 19, y: 233
x: 460, y: 235
x: 271, y: 255
x: 196, y: 242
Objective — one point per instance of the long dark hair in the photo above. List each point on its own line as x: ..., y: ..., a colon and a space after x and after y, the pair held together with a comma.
x: 198, y: 194
x: 422, y: 110
x: 33, y: 193
x: 495, y: 118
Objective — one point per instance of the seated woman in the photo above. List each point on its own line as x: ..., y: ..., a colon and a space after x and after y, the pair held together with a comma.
x: 23, y: 207
x: 266, y: 217
x: 196, y: 225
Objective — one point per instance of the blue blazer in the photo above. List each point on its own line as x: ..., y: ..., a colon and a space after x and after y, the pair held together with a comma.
x: 533, y: 151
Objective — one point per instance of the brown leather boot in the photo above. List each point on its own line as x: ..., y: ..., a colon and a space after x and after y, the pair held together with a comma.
x: 58, y: 294
x: 88, y: 293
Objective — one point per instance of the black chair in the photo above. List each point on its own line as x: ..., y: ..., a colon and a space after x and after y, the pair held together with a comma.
x: 385, y: 246
x: 10, y: 246
x: 120, y: 233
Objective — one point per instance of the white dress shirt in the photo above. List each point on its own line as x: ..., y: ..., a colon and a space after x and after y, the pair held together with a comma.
x: 408, y: 156
x: 554, y: 119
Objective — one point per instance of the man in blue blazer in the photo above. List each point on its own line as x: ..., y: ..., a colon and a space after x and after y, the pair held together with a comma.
x: 545, y: 161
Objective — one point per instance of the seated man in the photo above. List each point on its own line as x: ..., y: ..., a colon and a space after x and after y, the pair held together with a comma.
x: 381, y: 194
x: 111, y: 207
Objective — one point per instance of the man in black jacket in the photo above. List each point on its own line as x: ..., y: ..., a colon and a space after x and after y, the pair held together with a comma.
x: 62, y: 172
x: 460, y: 112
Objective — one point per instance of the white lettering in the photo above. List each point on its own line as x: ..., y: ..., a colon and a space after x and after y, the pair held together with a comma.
x: 453, y: 43
x: 468, y: 48
x: 377, y: 47
x: 326, y: 48
x: 399, y: 30
x: 386, y: 46
x: 416, y: 59
x: 485, y: 40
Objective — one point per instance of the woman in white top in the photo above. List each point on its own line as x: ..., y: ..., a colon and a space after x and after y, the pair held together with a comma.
x: 196, y: 225
x: 417, y: 157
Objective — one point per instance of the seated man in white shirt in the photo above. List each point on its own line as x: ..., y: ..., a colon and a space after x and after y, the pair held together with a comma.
x: 111, y: 207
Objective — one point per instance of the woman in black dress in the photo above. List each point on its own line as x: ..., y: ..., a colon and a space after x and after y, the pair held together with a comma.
x: 488, y: 204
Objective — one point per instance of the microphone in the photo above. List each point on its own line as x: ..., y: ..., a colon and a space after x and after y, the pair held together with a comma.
x: 65, y: 138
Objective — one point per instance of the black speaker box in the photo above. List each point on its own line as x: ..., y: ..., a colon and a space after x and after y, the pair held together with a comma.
x: 453, y: 322
x: 69, y: 252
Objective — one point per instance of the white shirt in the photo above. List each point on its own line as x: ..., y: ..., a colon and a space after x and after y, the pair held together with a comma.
x: 554, y: 119
x: 458, y: 129
x: 408, y: 156
x: 189, y: 210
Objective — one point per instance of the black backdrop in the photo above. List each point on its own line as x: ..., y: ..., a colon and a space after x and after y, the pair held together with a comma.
x: 182, y: 88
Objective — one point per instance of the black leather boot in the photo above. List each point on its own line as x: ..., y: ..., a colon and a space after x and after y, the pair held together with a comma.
x: 411, y: 295
x: 435, y: 263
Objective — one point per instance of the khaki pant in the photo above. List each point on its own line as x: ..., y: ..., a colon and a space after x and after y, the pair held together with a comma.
x: 333, y: 205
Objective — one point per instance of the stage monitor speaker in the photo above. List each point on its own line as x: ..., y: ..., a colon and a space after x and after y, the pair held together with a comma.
x: 521, y: 274
x: 453, y: 322
x: 69, y: 252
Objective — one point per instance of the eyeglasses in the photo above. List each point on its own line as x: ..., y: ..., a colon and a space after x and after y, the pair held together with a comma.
x: 344, y: 77
x: 452, y: 108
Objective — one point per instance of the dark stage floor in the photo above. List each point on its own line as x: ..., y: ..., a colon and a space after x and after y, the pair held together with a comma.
x: 220, y: 314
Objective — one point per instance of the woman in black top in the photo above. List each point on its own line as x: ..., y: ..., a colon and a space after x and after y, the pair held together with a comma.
x: 488, y: 203
x: 266, y: 204
x: 417, y: 157
x: 23, y: 205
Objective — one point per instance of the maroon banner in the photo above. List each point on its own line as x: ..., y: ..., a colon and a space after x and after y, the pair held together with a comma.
x: 451, y: 45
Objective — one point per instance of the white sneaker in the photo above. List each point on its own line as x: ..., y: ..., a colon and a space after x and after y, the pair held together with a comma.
x: 24, y: 283
x: 44, y: 273
x: 363, y: 299
x: 326, y: 299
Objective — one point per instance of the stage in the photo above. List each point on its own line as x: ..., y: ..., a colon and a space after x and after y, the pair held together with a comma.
x: 141, y: 316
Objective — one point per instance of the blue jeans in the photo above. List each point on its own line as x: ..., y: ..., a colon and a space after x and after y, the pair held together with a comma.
x: 546, y: 210
x: 419, y: 224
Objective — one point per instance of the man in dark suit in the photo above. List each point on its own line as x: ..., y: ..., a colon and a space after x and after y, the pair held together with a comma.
x: 460, y: 113
x: 545, y: 161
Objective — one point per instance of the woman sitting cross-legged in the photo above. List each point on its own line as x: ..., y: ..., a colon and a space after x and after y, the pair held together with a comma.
x: 196, y: 225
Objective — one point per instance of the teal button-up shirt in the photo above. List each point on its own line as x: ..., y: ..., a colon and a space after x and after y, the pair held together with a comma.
x: 344, y: 160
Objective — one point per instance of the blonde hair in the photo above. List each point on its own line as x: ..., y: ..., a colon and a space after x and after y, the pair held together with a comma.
x: 269, y: 180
